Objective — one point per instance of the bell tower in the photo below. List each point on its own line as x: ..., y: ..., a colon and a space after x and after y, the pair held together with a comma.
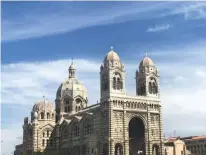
x: 112, y: 75
x: 147, y: 79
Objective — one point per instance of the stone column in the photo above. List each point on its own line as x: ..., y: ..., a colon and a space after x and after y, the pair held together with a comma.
x: 161, y: 132
x: 35, y: 135
x: 111, y: 128
x: 149, y: 147
x: 125, y: 131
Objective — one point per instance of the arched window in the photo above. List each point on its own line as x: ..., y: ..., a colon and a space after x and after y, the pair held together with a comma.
x: 47, y: 133
x: 117, y: 81
x: 48, y: 115
x: 118, y: 149
x: 87, y: 128
x: 52, y: 116
x: 67, y: 105
x: 153, y: 88
x: 155, y: 149
x: 42, y: 115
x: 150, y: 87
x: 43, y: 134
x: 156, y: 89
x: 42, y: 142
x: 76, y: 108
x: 76, y: 130
x: 67, y: 101
x: 114, y: 83
x: 118, y: 84
x: 78, y: 101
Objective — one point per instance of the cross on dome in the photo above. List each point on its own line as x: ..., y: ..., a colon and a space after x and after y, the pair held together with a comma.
x: 111, y: 48
x: 146, y: 54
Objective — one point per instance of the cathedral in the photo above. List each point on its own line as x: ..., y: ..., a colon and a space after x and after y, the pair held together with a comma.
x: 118, y: 125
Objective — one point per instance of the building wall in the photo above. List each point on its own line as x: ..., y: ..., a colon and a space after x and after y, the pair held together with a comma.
x: 197, y: 147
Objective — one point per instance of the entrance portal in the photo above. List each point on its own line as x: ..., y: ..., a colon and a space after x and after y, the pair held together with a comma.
x: 136, y: 137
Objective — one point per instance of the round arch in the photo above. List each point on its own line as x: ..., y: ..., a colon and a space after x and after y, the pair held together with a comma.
x: 155, y: 149
x: 136, y: 135
x: 139, y: 117
x: 118, y: 149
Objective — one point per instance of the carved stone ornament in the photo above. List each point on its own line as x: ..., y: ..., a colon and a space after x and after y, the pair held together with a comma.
x: 118, y: 115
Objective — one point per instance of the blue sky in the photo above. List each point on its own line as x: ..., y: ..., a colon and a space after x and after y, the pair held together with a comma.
x: 40, y: 38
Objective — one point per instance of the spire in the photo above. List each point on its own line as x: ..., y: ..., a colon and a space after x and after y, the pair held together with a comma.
x: 72, y: 70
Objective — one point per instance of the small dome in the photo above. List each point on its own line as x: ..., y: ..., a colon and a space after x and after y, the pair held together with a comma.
x: 146, y: 62
x: 112, y: 56
x: 43, y: 105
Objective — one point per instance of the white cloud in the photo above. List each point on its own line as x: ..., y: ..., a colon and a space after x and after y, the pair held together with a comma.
x: 28, y: 82
x: 158, y: 28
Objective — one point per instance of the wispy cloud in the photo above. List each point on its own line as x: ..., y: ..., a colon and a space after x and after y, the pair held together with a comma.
x: 189, y: 10
x: 50, y: 22
x: 158, y: 28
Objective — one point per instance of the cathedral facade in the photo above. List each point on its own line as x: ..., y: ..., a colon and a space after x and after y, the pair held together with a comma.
x: 118, y: 125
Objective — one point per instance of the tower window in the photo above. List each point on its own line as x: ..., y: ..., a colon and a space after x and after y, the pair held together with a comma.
x: 43, y: 142
x: 114, y: 83
x: 42, y: 115
x: 48, y: 116
x: 119, y: 85
x: 153, y: 89
x: 117, y: 82
x: 150, y: 88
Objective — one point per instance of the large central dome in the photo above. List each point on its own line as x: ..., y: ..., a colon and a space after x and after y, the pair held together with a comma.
x: 71, y: 86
